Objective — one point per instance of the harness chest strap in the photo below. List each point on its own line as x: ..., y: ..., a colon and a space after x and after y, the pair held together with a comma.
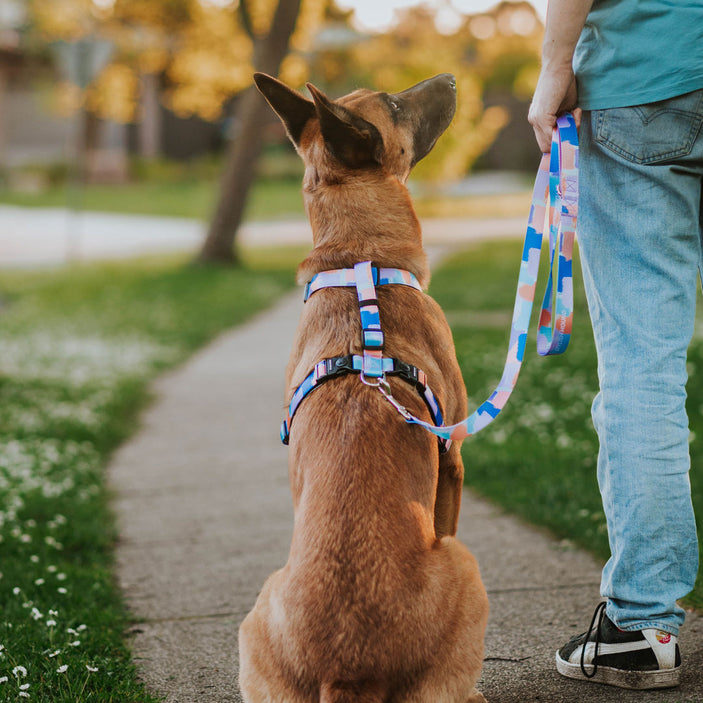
x: 341, y: 365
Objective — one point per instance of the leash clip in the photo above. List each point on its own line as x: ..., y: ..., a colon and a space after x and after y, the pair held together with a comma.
x: 385, y: 390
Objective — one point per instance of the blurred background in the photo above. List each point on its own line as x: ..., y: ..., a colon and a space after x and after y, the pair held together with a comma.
x: 146, y: 107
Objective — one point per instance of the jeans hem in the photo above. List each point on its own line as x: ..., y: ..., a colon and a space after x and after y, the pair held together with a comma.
x: 644, y: 625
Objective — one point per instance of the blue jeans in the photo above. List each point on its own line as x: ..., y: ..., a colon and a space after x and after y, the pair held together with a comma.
x: 640, y: 231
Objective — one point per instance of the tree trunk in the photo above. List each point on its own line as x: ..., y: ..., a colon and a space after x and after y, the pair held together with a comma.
x: 240, y: 166
x: 149, y: 129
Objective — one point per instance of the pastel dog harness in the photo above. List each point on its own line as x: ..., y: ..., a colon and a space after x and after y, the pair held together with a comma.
x: 554, y: 200
x: 371, y: 366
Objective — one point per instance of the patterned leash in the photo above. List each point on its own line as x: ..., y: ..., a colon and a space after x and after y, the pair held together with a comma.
x: 554, y: 199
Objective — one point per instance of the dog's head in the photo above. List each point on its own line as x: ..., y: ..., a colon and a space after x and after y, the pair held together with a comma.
x: 365, y: 129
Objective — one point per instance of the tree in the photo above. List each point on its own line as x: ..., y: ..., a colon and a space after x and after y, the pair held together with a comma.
x: 270, y: 48
x: 499, y: 48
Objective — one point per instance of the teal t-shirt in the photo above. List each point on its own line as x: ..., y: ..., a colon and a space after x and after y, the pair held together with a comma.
x: 634, y: 52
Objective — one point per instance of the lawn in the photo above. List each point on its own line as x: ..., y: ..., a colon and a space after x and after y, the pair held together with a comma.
x: 538, y: 459
x: 185, y: 189
x: 79, y: 346
x: 179, y: 197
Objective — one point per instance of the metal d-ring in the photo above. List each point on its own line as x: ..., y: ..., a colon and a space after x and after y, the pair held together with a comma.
x: 375, y: 383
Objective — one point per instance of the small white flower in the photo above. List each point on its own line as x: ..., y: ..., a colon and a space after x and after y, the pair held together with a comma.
x: 75, y: 643
x: 51, y: 623
x: 23, y: 694
x: 55, y: 654
x: 53, y: 613
x: 91, y: 668
x: 26, y: 539
x: 34, y: 559
x: 39, y: 582
x: 3, y: 679
x: 19, y: 670
x: 24, y: 687
x: 60, y: 577
x: 16, y: 590
x: 80, y: 628
x: 62, y: 590
x: 62, y: 669
x: 51, y: 569
x: 36, y: 614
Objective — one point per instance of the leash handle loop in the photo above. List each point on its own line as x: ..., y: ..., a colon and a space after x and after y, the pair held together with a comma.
x: 554, y: 201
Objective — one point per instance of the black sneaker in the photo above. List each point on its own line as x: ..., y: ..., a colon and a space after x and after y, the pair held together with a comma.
x: 641, y: 659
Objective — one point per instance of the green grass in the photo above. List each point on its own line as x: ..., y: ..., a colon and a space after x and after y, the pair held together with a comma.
x: 271, y: 198
x: 79, y: 346
x: 538, y: 459
x: 190, y: 197
x: 190, y: 189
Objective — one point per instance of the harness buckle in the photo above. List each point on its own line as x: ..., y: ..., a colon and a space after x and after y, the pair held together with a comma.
x: 407, y: 371
x: 338, y: 366
x: 285, y: 433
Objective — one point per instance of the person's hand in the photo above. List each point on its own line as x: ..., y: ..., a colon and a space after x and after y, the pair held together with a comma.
x: 555, y: 94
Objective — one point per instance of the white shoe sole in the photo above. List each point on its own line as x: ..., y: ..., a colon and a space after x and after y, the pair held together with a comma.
x: 640, y: 680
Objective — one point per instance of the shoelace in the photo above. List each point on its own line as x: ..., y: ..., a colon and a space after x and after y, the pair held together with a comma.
x: 598, y: 613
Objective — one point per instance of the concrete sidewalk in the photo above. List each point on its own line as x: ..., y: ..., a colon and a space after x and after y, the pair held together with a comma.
x: 205, y: 515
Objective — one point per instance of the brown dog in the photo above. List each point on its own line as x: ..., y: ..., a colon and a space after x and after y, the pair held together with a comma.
x: 378, y: 603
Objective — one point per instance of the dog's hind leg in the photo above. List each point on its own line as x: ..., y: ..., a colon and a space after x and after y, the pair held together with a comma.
x: 262, y: 676
x: 449, y: 486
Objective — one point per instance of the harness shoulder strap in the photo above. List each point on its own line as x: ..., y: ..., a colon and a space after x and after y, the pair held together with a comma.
x: 338, y: 278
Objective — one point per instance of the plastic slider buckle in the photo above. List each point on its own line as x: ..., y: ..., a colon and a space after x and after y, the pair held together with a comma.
x: 338, y: 366
x: 407, y: 371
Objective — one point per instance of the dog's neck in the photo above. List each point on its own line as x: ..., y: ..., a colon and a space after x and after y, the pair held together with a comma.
x: 365, y: 217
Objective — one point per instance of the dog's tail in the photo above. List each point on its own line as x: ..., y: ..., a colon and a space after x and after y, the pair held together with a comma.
x: 353, y: 692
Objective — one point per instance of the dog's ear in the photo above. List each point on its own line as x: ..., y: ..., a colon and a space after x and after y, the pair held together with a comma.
x: 351, y: 139
x: 293, y: 109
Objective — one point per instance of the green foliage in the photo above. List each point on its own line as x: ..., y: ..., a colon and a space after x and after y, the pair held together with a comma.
x: 538, y: 459
x: 79, y: 347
